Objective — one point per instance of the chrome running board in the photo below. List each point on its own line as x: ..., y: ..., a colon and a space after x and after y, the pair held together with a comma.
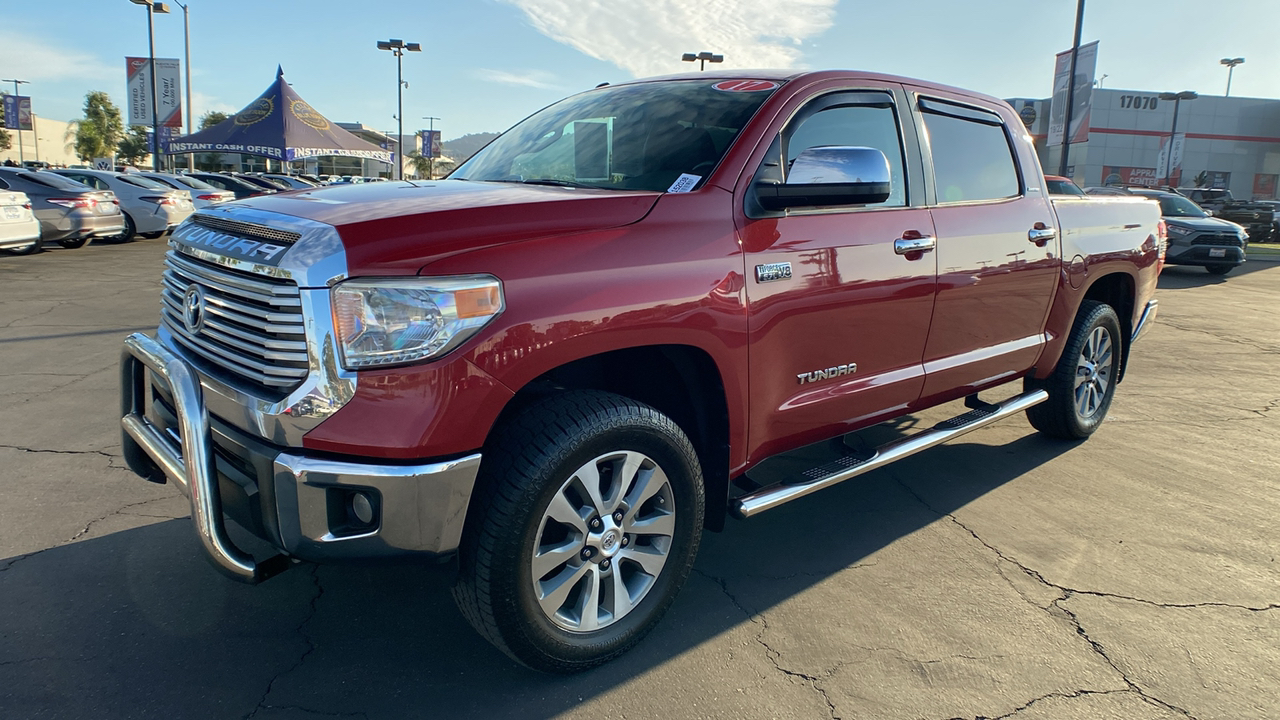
x: 848, y: 467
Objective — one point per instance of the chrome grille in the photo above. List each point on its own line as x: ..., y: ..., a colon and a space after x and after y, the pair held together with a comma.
x: 239, y: 227
x: 253, y: 325
x: 1228, y: 240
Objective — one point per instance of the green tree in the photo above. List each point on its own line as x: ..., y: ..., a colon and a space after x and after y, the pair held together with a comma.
x: 211, y: 118
x: 421, y: 165
x: 100, y: 131
x: 132, y: 150
x: 5, y: 143
x: 209, y: 161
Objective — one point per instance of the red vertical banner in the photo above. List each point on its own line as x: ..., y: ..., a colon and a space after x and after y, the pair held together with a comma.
x: 1264, y: 186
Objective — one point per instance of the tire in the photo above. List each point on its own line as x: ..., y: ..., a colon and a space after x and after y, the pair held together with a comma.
x: 1082, y: 385
x: 1219, y: 269
x: 531, y: 510
x: 75, y: 243
x: 31, y: 249
x: 130, y: 230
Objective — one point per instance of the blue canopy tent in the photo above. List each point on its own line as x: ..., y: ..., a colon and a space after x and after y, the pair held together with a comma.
x: 278, y: 125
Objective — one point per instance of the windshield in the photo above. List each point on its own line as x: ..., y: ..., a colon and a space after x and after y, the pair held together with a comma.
x: 143, y: 182
x: 646, y: 136
x: 54, y: 181
x: 1178, y: 206
x: 1063, y: 187
x: 193, y: 183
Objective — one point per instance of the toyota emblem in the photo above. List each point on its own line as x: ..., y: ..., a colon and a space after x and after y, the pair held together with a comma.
x: 193, y: 309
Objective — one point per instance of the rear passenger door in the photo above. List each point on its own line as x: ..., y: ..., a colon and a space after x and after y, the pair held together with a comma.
x: 997, y: 250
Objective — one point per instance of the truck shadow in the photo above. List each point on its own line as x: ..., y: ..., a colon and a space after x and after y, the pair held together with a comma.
x: 1185, y: 277
x: 134, y: 623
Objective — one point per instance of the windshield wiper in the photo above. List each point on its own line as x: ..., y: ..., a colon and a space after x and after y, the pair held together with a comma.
x: 560, y: 183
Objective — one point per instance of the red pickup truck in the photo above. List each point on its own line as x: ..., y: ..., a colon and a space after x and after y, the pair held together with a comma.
x: 557, y: 367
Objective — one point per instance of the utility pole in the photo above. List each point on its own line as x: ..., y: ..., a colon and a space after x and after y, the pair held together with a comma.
x: 1071, y: 90
x: 186, y: 46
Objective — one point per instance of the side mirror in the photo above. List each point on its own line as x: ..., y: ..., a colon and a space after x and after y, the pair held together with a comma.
x: 830, y: 175
x: 1208, y: 212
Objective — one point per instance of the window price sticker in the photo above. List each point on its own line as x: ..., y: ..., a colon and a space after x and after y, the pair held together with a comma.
x: 684, y: 183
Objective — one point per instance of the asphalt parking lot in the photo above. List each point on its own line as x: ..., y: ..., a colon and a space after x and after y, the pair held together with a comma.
x: 1132, y: 576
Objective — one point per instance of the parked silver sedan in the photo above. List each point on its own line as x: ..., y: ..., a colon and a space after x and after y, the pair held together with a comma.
x: 19, y: 228
x: 202, y: 193
x: 70, y: 213
x: 150, y: 208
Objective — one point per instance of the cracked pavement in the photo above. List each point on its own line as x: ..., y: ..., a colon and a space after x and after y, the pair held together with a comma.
x: 1132, y: 576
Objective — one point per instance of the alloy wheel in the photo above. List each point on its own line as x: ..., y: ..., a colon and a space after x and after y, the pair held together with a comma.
x: 603, y: 540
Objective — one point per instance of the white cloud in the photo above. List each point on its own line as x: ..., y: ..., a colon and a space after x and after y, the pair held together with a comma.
x: 647, y: 37
x: 529, y: 78
x: 202, y: 103
x: 29, y: 59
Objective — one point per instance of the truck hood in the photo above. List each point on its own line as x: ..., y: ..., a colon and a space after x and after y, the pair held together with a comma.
x: 395, y: 228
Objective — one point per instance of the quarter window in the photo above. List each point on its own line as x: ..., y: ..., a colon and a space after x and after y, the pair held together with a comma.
x: 972, y: 159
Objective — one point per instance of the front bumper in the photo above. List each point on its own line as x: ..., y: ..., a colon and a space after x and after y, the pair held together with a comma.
x: 1186, y: 251
x: 301, y: 505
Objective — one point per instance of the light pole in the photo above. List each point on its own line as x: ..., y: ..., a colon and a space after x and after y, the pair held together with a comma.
x: 152, y: 9
x: 1231, y: 64
x: 1177, y: 99
x: 1071, y: 91
x: 703, y: 57
x: 431, y: 150
x: 18, y: 123
x: 186, y: 48
x: 399, y: 47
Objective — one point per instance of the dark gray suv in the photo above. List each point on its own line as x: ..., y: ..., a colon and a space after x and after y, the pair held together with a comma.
x: 1195, y: 238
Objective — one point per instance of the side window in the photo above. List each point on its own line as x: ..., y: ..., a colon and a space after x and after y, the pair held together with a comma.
x: 972, y: 159
x: 3, y: 185
x: 873, y: 126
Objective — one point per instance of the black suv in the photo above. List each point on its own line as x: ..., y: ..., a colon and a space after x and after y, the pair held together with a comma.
x: 1257, y: 217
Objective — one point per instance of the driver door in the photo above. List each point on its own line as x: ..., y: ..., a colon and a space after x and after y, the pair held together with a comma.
x: 829, y: 288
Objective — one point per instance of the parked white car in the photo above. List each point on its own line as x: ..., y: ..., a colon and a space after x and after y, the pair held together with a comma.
x: 19, y: 228
x: 150, y: 208
x: 202, y: 193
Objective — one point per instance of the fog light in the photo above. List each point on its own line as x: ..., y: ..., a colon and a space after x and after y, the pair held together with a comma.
x: 362, y: 508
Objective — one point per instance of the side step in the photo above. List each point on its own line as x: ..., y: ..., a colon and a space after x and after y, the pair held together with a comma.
x: 840, y: 470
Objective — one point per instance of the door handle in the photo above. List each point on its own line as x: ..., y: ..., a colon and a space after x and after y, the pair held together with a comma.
x: 915, y: 243
x: 1041, y: 234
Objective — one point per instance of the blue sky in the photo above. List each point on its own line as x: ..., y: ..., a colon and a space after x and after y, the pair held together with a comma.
x: 488, y: 63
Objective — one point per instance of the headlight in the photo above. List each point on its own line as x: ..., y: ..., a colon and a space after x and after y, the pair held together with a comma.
x: 403, y: 320
x: 1180, y: 230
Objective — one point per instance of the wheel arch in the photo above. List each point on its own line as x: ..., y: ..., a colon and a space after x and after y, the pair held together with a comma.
x: 681, y: 381
x: 1118, y: 290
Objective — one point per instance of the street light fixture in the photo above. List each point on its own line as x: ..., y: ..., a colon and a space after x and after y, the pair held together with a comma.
x: 22, y: 160
x: 1231, y: 64
x: 398, y: 48
x: 703, y: 57
x: 1177, y: 99
x: 152, y: 9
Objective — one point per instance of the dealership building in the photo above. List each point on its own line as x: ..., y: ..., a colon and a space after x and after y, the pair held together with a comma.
x: 1230, y: 142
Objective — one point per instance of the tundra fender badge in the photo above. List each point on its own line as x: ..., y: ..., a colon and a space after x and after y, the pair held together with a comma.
x: 831, y: 372
x: 773, y: 271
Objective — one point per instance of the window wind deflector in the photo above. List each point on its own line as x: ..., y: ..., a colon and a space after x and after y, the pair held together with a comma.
x: 964, y: 112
